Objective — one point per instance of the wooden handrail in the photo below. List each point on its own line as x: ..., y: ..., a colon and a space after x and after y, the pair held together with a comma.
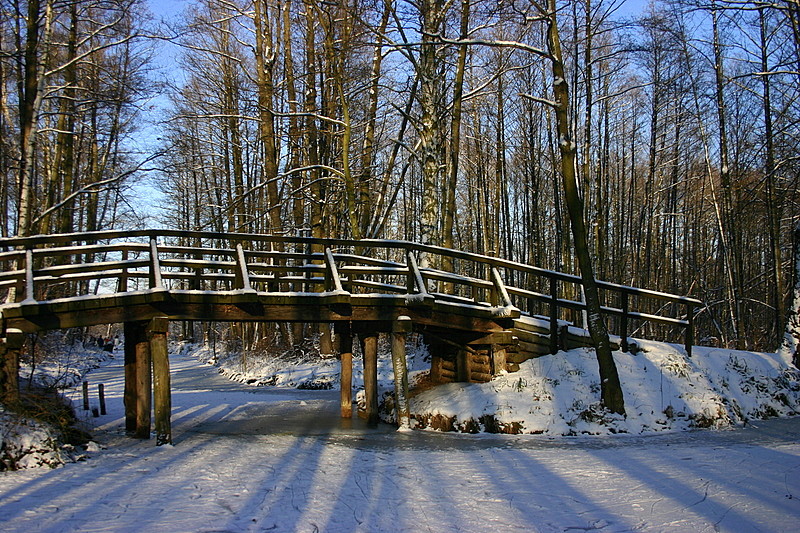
x: 226, y: 255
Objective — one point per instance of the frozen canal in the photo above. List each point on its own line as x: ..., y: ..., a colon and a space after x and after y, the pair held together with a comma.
x: 261, y: 459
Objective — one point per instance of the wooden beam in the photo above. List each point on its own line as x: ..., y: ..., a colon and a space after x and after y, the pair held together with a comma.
x: 498, y: 337
x: 162, y: 396
x: 400, y: 329
x: 369, y: 347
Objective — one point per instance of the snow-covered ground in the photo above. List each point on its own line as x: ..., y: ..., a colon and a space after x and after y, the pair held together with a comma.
x: 269, y: 459
x: 560, y: 394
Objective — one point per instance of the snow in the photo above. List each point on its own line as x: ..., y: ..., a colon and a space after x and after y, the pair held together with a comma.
x: 269, y: 458
x: 663, y: 389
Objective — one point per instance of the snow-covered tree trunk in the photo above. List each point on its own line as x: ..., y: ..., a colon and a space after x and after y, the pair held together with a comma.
x: 791, y: 339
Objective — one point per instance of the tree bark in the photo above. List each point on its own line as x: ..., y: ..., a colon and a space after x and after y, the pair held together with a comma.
x: 610, y: 386
x: 791, y: 339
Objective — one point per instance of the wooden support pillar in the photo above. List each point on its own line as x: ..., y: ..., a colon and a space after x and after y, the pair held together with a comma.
x: 162, y: 397
x: 463, y: 364
x: 10, y: 346
x: 345, y: 334
x: 369, y: 347
x: 498, y: 359
x: 436, y: 369
x: 400, y: 329
x: 133, y: 332
x: 138, y: 391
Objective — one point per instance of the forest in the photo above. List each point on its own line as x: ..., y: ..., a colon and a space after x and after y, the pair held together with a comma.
x: 438, y: 121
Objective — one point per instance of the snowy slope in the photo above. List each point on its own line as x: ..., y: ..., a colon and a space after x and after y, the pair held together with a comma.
x: 560, y: 394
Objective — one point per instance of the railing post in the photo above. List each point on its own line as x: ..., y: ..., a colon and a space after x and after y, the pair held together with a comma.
x: 29, y: 295
x: 242, y: 278
x: 415, y: 281
x: 332, y: 280
x: 155, y: 266
x: 624, y: 323
x: 553, y: 314
x: 689, y: 328
x: 500, y: 291
x: 122, y: 282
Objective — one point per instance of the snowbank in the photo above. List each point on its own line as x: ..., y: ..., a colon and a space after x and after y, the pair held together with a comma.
x: 664, y: 390
x: 560, y: 394
x: 27, y: 443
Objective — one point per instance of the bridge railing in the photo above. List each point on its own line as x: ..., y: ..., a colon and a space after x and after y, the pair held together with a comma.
x: 46, y: 268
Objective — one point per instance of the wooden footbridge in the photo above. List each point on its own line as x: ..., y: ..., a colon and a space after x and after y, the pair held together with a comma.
x: 481, y: 315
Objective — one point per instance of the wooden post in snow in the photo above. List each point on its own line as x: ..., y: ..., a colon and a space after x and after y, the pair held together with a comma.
x: 138, y: 391
x: 10, y: 346
x: 162, y: 398
x: 345, y: 334
x: 499, y: 359
x: 133, y: 332
x: 400, y: 329
x: 369, y: 347
x: 463, y: 366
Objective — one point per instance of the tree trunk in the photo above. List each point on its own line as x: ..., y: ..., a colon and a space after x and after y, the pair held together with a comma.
x: 791, y: 339
x: 265, y: 63
x: 611, y: 388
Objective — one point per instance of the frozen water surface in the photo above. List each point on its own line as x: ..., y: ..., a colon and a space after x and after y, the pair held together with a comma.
x: 265, y: 459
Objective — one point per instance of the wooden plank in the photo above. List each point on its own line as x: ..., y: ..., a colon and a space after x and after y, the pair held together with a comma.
x: 499, y: 337
x: 535, y: 348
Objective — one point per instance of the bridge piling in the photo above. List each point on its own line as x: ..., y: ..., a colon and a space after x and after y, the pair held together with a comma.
x: 345, y: 333
x: 369, y: 348
x: 138, y: 391
x: 400, y: 329
x: 10, y: 346
x: 162, y: 396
